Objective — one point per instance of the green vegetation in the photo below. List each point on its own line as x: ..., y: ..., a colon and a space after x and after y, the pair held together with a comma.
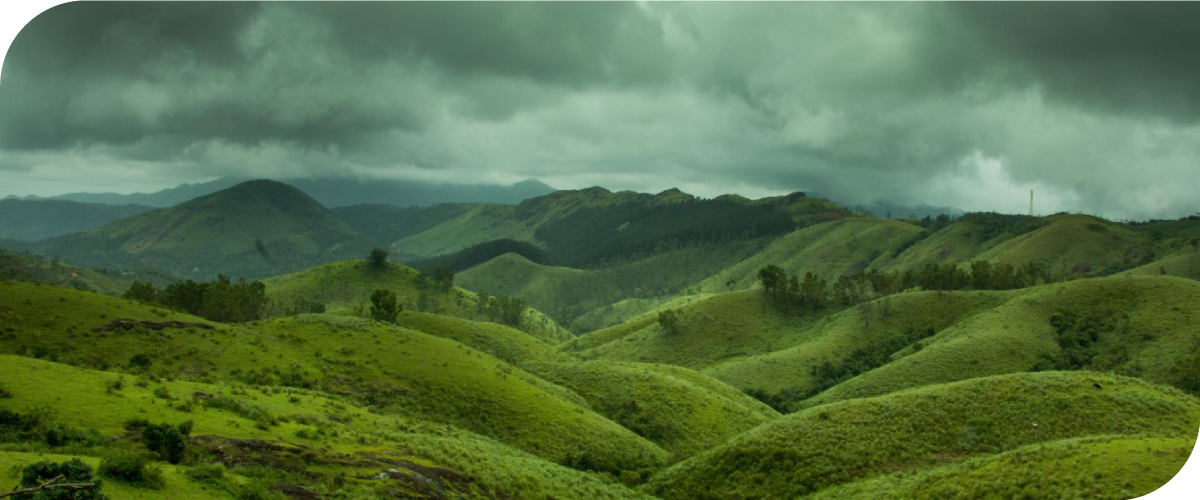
x: 221, y: 300
x: 841, y: 443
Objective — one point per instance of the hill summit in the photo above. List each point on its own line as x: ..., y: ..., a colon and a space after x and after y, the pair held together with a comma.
x: 253, y: 229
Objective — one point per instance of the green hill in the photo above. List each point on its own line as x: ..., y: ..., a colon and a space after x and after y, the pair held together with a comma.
x: 1076, y: 242
x: 398, y: 371
x: 254, y: 229
x: 1184, y: 264
x: 345, y: 287
x: 285, y: 439
x: 682, y: 411
x: 31, y: 220
x: 1099, y: 467
x: 388, y: 223
x: 828, y: 250
x: 569, y: 294
x: 840, y: 443
x: 1141, y: 326
x: 36, y: 269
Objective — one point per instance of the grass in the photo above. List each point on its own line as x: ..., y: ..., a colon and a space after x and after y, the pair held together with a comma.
x: 682, y: 411
x: 837, y: 444
x: 1153, y: 318
x: 314, y: 437
x: 571, y: 294
x: 178, y: 486
x: 1069, y: 240
x: 1099, y: 467
x: 400, y: 371
x: 345, y: 288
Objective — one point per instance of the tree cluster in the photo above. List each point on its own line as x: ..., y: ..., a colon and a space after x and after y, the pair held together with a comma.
x: 170, y: 442
x: 501, y: 309
x: 440, y: 277
x: 222, y: 300
x: 385, y: 306
x: 671, y: 321
x: 790, y: 293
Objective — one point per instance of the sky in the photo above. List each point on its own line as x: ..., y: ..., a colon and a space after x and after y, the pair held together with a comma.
x: 1095, y: 107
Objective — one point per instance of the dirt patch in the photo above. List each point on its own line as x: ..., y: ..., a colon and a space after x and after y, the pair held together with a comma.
x: 427, y: 482
x: 234, y: 452
x: 129, y: 324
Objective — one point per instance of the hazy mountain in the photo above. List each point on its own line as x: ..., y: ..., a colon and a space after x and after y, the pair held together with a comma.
x: 31, y: 220
x: 254, y: 229
x: 337, y: 192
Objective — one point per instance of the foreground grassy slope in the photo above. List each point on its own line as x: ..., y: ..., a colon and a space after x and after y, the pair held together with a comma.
x: 1098, y: 467
x: 288, y: 436
x: 400, y: 371
x: 345, y: 287
x: 177, y: 485
x: 840, y: 443
x: 1148, y: 326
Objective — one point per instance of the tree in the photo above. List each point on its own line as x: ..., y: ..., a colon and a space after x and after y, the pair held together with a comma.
x: 169, y: 441
x: 70, y: 480
x: 670, y: 321
x: 812, y: 291
x: 443, y: 276
x: 384, y: 306
x: 145, y: 293
x: 378, y: 257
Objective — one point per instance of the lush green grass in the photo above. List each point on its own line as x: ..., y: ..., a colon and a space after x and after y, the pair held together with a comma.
x: 178, y: 486
x: 1098, y: 467
x: 836, y: 444
x: 1153, y: 327
x: 682, y: 411
x: 315, y: 437
x: 400, y: 371
x: 713, y: 329
x: 345, y: 288
x: 828, y: 250
x: 570, y: 294
x: 1070, y: 240
x: 1184, y: 264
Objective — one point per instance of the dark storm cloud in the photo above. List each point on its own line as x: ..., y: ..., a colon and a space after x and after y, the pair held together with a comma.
x: 947, y: 104
x: 1122, y: 56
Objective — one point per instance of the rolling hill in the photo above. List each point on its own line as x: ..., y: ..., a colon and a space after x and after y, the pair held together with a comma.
x: 921, y: 429
x: 345, y: 288
x: 32, y: 220
x: 252, y: 230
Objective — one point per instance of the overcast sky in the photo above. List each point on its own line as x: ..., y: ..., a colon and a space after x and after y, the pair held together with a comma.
x: 1094, y: 106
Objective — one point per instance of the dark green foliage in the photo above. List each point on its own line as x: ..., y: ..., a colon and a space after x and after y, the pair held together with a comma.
x: 299, y: 306
x: 73, y: 471
x: 670, y: 321
x: 132, y: 468
x: 142, y: 292
x: 140, y: 361
x: 384, y: 306
x: 790, y: 293
x: 221, y: 300
x: 1079, y: 338
x: 168, y: 441
x: 261, y: 249
x: 501, y: 309
x: 40, y: 427
x: 378, y: 257
x: 592, y: 236
x: 483, y: 252
x: 1185, y: 373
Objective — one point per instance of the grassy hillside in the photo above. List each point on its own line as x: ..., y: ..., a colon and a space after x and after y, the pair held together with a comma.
x: 31, y: 220
x: 36, y: 269
x: 1184, y: 264
x: 836, y: 444
x: 569, y: 294
x: 287, y: 439
x: 388, y: 223
x: 1098, y: 467
x: 399, y: 371
x: 1075, y: 242
x: 254, y: 229
x: 713, y: 329
x: 828, y: 250
x: 345, y: 288
x: 682, y: 411
x: 1142, y: 326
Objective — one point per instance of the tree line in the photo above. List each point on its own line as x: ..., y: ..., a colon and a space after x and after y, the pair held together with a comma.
x: 222, y: 300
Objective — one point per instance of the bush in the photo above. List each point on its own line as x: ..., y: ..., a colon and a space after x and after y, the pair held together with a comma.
x: 73, y: 471
x: 132, y: 468
x: 207, y: 473
x: 384, y: 306
x: 168, y: 441
x: 139, y: 361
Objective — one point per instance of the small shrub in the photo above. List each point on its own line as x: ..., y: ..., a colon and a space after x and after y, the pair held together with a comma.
x: 140, y: 361
x: 73, y: 471
x: 132, y: 468
x: 161, y: 392
x: 207, y: 473
x: 168, y: 441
